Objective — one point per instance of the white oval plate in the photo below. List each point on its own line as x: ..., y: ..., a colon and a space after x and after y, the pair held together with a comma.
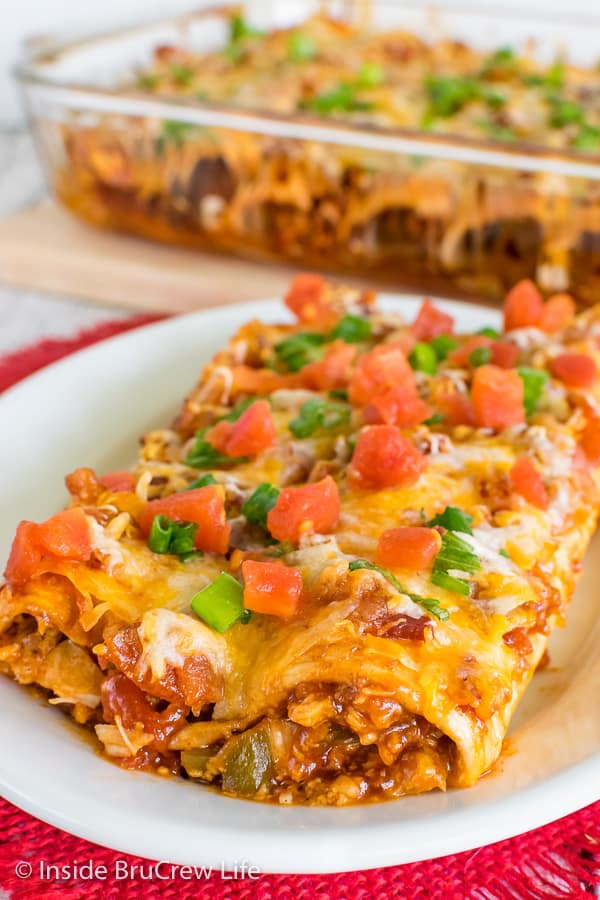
x: 89, y: 409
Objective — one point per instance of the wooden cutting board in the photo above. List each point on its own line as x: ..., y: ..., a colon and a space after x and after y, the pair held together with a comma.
x: 44, y: 248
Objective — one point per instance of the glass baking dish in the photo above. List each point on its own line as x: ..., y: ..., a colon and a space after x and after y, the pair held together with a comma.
x: 467, y: 217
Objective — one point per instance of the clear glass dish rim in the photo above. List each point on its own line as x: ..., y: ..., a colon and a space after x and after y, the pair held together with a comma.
x: 518, y: 158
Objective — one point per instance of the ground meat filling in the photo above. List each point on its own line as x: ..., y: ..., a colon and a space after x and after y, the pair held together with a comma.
x: 369, y: 746
x: 336, y: 746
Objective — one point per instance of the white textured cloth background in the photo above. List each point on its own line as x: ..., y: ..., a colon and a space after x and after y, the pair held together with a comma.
x: 26, y: 316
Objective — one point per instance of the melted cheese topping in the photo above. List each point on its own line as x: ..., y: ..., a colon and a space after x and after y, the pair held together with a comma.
x: 462, y: 676
x: 167, y: 638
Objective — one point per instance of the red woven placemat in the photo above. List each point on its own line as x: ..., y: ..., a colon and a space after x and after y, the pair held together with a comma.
x: 561, y: 860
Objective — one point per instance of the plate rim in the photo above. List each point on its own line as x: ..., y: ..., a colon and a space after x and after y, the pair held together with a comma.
x: 526, y: 808
x: 543, y: 800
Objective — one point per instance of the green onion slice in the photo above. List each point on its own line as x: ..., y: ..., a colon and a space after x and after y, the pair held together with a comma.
x: 181, y: 74
x: 296, y: 351
x: 160, y: 535
x: 301, y: 48
x: 240, y: 29
x: 167, y: 536
x: 316, y: 414
x: 204, y: 456
x: 442, y: 345
x: 338, y: 394
x: 423, y: 358
x: 435, y: 419
x: 259, y: 503
x: 479, y: 356
x: 428, y: 603
x: 565, y: 112
x: 352, y: 329
x: 221, y: 603
x: 182, y: 538
x: 456, y: 553
x: 281, y: 549
x: 370, y: 75
x: 238, y: 409
x: 456, y: 585
x: 588, y: 138
x: 341, y: 98
x: 203, y: 481
x: 448, y: 94
x: 533, y: 386
x: 453, y: 519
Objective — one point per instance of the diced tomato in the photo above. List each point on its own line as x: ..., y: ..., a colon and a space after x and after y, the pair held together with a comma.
x: 405, y: 340
x: 460, y: 356
x: 431, y: 322
x: 504, y: 354
x: 382, y: 368
x: 456, y: 408
x: 205, y: 506
x: 576, y: 370
x: 557, y: 312
x: 384, y: 458
x: 333, y: 370
x: 218, y: 435
x: 271, y: 588
x: 497, y: 396
x: 66, y: 535
x: 522, y: 306
x: 408, y: 548
x: 396, y: 406
x: 306, y: 299
x: 118, y: 481
x: 25, y: 554
x: 590, y: 441
x: 527, y: 482
x: 122, y: 698
x: 299, y: 510
x: 260, y: 382
x: 253, y: 433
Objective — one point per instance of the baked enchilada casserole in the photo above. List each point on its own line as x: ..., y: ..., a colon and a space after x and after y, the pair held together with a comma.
x: 401, y: 216
x: 331, y: 578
